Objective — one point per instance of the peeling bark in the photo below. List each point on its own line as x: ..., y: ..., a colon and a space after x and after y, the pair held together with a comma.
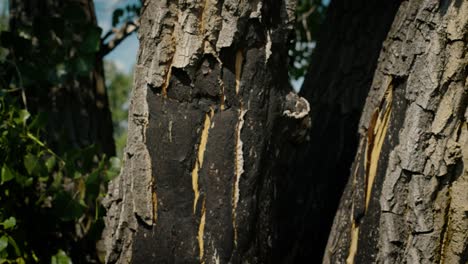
x: 406, y: 199
x: 210, y: 86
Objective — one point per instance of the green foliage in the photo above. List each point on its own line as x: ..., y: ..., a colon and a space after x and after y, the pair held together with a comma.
x: 50, y: 200
x: 50, y: 203
x: 51, y: 50
x: 60, y: 258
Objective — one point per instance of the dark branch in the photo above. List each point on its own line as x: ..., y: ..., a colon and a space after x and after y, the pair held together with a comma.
x: 119, y: 34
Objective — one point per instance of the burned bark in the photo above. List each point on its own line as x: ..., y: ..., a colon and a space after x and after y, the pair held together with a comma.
x: 197, y: 184
x: 406, y: 199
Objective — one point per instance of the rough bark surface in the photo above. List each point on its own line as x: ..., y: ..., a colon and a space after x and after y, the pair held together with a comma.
x: 210, y: 85
x: 336, y: 86
x: 77, y: 110
x: 406, y: 200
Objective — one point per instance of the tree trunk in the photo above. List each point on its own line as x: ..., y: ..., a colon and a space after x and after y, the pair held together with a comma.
x: 210, y: 86
x: 77, y: 108
x: 336, y: 86
x: 406, y: 200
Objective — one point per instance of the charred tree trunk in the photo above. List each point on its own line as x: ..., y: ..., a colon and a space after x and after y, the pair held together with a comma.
x: 406, y: 200
x: 210, y: 86
x: 77, y: 108
x: 336, y: 86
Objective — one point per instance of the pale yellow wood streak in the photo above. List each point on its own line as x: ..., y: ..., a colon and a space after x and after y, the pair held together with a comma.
x: 239, y: 169
x: 239, y: 61
x: 377, y: 130
x: 239, y: 159
x: 354, y: 244
x: 155, y: 207
x: 200, y: 156
x: 202, y: 18
x: 201, y: 231
x: 166, y: 82
x: 374, y: 148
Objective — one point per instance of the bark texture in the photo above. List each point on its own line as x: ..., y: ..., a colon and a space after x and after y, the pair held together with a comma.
x: 77, y: 109
x: 336, y: 86
x: 210, y: 86
x: 406, y: 200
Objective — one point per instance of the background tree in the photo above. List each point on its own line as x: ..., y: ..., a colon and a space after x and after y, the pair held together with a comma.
x: 55, y: 133
x: 55, y: 45
x: 406, y: 198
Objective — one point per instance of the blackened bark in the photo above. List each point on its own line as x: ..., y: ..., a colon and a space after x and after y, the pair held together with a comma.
x: 406, y: 198
x: 77, y: 109
x: 211, y: 84
x: 336, y: 86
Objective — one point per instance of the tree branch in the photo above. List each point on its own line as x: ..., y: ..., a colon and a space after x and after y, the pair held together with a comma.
x: 119, y: 35
x: 304, y: 18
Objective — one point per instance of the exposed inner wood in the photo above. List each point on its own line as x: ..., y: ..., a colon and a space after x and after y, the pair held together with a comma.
x: 200, y: 156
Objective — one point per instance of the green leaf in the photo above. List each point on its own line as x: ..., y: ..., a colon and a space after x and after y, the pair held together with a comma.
x: 39, y: 121
x: 12, y: 242
x: 3, y: 243
x: 60, y: 258
x: 67, y: 208
x: 23, y: 117
x: 22, y: 180
x: 115, y: 163
x: 82, y: 65
x: 31, y: 163
x: 50, y: 163
x: 9, y: 223
x: 77, y: 175
x: 7, y: 174
x: 93, y: 177
x: 92, y: 40
x: 92, y: 184
x: 3, y: 257
x: 116, y: 16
